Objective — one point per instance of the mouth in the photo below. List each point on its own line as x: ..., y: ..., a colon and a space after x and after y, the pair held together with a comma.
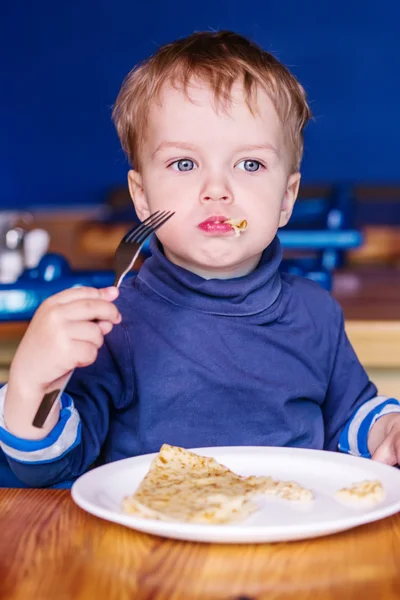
x: 221, y: 225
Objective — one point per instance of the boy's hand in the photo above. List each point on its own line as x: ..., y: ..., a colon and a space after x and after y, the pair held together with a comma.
x: 66, y: 332
x: 384, y: 439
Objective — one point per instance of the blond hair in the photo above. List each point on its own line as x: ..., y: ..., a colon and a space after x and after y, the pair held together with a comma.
x: 220, y: 59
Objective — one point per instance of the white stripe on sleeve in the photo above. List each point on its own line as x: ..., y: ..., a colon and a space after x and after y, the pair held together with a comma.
x: 64, y: 436
x: 354, y: 437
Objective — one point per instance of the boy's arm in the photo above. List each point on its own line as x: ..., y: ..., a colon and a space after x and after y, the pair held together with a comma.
x: 352, y: 404
x: 76, y: 441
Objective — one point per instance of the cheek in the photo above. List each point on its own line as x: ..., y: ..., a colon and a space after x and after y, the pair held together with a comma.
x: 264, y: 204
x: 168, y: 192
x: 264, y: 220
x: 174, y: 234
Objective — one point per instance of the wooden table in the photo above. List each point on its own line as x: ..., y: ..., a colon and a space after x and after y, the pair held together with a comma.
x: 52, y: 550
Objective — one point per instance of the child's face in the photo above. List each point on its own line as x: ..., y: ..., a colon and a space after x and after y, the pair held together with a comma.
x: 203, y: 163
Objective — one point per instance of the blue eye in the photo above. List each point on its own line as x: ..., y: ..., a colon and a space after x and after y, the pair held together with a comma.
x: 185, y: 164
x: 251, y: 166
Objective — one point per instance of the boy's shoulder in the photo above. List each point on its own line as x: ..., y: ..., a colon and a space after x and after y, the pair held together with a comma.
x: 127, y: 294
x: 134, y: 300
x: 307, y: 295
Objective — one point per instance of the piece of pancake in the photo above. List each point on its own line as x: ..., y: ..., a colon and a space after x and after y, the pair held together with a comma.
x: 362, y: 494
x: 291, y: 491
x: 238, y: 225
x: 183, y: 486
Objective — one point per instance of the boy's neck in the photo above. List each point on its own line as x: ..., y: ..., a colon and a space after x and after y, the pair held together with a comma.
x: 238, y: 270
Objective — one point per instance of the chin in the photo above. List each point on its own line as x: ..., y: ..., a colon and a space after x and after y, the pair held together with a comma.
x: 219, y: 261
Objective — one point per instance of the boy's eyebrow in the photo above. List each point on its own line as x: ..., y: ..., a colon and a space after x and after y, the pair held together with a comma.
x: 182, y: 145
x: 268, y: 147
x: 186, y: 146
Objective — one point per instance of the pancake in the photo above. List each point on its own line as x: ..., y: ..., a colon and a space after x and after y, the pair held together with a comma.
x: 238, y: 225
x: 185, y: 487
x: 362, y: 494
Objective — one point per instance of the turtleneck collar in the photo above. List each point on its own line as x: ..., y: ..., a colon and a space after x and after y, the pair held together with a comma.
x: 242, y: 296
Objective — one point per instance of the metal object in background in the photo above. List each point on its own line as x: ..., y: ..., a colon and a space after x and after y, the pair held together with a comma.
x: 19, y: 248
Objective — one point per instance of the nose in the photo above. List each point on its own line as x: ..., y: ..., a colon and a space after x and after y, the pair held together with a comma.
x: 216, y: 189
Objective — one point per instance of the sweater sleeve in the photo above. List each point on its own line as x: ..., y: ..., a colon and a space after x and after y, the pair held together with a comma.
x: 349, y: 386
x: 352, y: 404
x: 77, y: 439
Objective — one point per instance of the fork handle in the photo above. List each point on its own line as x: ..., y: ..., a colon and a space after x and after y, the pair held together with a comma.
x: 47, y: 404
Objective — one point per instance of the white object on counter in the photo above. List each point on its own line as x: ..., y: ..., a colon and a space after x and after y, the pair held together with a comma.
x: 36, y: 243
x: 11, y: 265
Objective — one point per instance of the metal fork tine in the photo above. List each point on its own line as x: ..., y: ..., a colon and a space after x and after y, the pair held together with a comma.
x: 131, y: 236
x: 152, y: 228
x: 137, y: 228
x: 136, y: 235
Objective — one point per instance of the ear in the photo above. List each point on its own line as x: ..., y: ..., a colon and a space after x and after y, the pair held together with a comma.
x: 292, y: 189
x: 138, y: 195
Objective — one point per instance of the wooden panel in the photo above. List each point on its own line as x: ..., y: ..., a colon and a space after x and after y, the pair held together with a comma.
x: 386, y: 380
x: 368, y: 293
x: 64, y: 229
x: 381, y: 246
x: 377, y: 343
x: 374, y: 193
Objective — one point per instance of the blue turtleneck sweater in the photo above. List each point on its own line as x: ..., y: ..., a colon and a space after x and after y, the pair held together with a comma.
x: 257, y: 360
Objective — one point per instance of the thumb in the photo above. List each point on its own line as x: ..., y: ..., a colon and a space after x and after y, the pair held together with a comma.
x: 109, y: 293
x: 385, y: 452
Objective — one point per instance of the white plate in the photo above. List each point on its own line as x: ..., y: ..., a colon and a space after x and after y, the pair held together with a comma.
x: 101, y: 491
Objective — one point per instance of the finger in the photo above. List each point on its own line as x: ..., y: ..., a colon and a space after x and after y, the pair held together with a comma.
x: 90, y: 309
x: 86, y: 331
x: 385, y: 453
x: 105, y: 327
x: 396, y: 445
x: 85, y: 354
x: 82, y: 293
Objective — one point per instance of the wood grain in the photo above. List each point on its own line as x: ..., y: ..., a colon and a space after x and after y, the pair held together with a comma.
x: 381, y: 247
x: 51, y: 549
x: 377, y: 343
x: 368, y: 293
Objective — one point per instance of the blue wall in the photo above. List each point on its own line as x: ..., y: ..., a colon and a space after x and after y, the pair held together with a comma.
x: 62, y: 64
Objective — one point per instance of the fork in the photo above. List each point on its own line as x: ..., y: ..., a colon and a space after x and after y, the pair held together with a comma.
x: 124, y: 259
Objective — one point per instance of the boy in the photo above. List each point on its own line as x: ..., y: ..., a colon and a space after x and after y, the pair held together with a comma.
x: 209, y: 344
